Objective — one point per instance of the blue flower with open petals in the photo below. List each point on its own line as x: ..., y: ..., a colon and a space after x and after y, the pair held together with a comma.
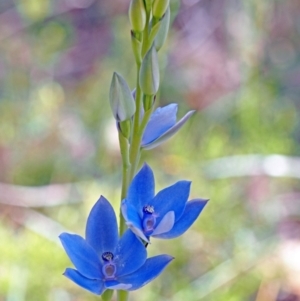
x: 162, y: 125
x: 103, y: 261
x: 165, y: 215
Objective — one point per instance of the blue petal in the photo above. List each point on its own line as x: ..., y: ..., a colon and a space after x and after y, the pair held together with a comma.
x: 138, y: 232
x: 160, y: 121
x: 130, y: 254
x: 130, y: 213
x: 169, y: 133
x: 93, y: 285
x: 82, y: 255
x: 172, y: 198
x: 116, y: 285
x: 147, y: 272
x: 166, y: 224
x: 133, y: 219
x: 141, y: 189
x: 190, y: 214
x: 101, y: 228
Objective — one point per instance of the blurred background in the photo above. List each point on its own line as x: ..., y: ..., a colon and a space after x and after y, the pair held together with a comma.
x: 236, y: 62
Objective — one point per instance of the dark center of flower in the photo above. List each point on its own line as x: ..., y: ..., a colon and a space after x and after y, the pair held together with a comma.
x: 107, y: 256
x: 149, y: 219
x: 109, y: 268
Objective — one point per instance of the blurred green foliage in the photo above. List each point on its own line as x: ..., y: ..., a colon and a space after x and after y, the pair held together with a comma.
x: 236, y: 62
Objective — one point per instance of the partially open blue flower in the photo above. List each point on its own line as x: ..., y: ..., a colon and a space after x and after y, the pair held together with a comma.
x: 162, y: 125
x: 165, y: 215
x: 103, y: 261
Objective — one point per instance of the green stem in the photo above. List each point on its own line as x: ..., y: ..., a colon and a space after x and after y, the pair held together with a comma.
x: 134, y: 155
x: 123, y: 295
x: 138, y: 103
x: 124, y: 147
x: 129, y: 168
x: 146, y: 35
x: 128, y: 176
x: 135, y: 149
x: 131, y: 156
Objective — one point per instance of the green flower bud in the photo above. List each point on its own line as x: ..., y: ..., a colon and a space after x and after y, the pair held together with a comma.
x: 149, y: 73
x: 159, y: 8
x: 163, y: 30
x: 137, y: 15
x: 120, y: 97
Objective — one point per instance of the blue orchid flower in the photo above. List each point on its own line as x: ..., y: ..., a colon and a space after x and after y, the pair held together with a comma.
x: 162, y: 125
x: 103, y: 261
x: 165, y: 215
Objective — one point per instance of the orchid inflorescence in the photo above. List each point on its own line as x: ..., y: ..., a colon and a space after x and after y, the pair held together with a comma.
x: 106, y: 260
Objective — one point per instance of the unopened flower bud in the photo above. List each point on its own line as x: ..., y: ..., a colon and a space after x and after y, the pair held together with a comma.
x: 137, y: 15
x: 149, y: 73
x: 159, y: 8
x: 120, y: 97
x: 163, y: 30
